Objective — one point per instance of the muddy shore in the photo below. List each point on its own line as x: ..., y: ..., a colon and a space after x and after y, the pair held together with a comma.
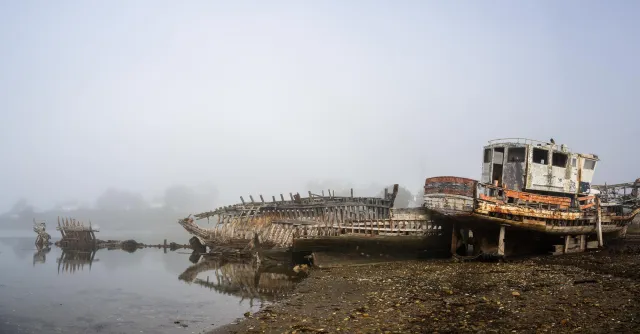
x: 592, y: 292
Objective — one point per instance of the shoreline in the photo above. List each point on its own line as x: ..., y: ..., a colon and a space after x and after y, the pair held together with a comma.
x: 591, y: 292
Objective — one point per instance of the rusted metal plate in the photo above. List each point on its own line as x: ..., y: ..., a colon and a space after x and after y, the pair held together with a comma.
x: 450, y: 185
x: 538, y: 198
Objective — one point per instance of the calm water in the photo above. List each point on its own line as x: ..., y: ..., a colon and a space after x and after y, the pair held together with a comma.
x: 112, y: 291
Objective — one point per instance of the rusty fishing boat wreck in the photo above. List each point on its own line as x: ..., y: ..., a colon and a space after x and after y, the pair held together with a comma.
x: 532, y: 194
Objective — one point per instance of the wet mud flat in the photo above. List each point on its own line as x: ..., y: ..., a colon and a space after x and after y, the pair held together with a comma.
x: 591, y: 292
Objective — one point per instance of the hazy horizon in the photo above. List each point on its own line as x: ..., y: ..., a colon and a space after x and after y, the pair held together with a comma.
x: 265, y: 98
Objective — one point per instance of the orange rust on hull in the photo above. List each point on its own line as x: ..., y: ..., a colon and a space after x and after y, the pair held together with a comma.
x: 490, y: 199
x: 486, y: 208
x: 563, y: 201
x: 587, y: 206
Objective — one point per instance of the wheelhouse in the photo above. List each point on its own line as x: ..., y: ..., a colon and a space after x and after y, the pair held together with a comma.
x: 530, y: 165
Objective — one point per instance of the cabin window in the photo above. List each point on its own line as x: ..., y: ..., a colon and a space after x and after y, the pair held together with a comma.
x: 589, y: 164
x: 487, y: 155
x: 540, y: 156
x: 574, y: 162
x: 559, y: 159
x: 516, y: 154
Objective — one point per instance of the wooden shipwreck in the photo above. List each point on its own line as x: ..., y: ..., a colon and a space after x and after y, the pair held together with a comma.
x: 542, y: 192
x: 75, y: 234
x: 329, y: 221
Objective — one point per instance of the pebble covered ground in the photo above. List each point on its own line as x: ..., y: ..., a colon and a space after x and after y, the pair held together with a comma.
x: 593, y: 292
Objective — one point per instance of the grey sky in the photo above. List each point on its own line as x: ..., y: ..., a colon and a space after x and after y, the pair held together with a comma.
x: 261, y: 97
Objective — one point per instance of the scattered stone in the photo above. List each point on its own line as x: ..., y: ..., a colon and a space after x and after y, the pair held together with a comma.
x: 446, y: 297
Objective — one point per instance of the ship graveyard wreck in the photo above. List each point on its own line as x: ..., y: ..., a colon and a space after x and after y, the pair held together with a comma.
x: 75, y: 235
x: 533, y: 197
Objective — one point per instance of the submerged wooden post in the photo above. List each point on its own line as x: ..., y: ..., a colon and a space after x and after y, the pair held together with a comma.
x: 583, y: 245
x: 501, y: 240
x: 567, y: 238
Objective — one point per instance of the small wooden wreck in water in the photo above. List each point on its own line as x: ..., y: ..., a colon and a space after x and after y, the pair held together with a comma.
x: 75, y: 234
x: 541, y: 192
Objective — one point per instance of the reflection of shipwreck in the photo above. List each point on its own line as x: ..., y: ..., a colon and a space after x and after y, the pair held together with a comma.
x: 280, y: 224
x: 40, y: 256
x: 242, y: 279
x: 73, y: 260
x: 540, y: 191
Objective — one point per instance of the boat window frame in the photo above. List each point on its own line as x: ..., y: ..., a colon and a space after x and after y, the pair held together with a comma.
x: 533, y: 156
x: 558, y: 153
x: 587, y: 160
x: 510, y: 155
x: 488, y: 155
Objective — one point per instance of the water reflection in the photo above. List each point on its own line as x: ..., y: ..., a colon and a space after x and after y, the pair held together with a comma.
x: 55, y: 290
x: 242, y: 279
x: 40, y: 256
x: 245, y: 280
x: 71, y: 261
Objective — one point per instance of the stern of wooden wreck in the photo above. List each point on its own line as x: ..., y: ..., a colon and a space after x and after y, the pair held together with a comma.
x: 449, y: 196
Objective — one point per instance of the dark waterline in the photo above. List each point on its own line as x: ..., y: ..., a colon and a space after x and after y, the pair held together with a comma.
x: 120, y: 292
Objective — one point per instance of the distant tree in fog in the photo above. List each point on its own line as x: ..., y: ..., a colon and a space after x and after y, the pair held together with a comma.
x: 179, y: 198
x: 340, y: 188
x: 116, y: 200
x: 21, y: 209
x: 22, y: 205
x: 186, y: 199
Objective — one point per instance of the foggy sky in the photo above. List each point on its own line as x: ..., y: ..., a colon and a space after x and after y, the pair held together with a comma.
x: 262, y: 97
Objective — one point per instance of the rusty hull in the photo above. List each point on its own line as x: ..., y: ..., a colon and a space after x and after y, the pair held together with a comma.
x: 451, y: 197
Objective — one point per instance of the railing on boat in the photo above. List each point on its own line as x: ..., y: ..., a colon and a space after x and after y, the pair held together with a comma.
x: 525, y: 141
